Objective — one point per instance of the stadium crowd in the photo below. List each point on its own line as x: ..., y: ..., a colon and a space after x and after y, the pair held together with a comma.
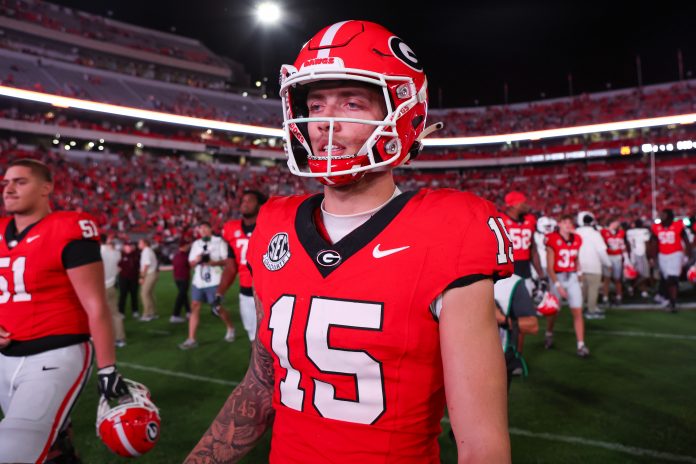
x: 168, y: 195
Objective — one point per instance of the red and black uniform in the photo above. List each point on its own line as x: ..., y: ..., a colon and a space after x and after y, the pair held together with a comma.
x: 616, y: 241
x: 351, y: 325
x: 565, y: 251
x: 38, y: 304
x: 521, y: 232
x: 669, y: 239
x: 237, y: 235
x: 47, y: 363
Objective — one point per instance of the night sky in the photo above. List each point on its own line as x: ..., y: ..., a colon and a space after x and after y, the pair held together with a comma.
x: 469, y: 49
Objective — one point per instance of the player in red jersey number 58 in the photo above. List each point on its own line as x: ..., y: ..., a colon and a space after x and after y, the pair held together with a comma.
x: 375, y: 306
x: 53, y: 318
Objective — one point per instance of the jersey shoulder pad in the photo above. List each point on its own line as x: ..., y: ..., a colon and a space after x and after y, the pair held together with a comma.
x: 229, y: 228
x: 455, y: 205
x: 74, y: 225
x: 278, y: 209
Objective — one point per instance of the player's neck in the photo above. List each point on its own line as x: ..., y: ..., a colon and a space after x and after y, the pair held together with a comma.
x: 565, y: 235
x: 373, y: 190
x: 24, y: 220
x: 249, y: 221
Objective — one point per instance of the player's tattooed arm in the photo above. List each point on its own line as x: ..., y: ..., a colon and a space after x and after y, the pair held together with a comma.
x: 245, y: 416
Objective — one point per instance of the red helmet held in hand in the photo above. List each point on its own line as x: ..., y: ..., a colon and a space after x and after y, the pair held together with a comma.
x: 549, y: 305
x: 131, y: 428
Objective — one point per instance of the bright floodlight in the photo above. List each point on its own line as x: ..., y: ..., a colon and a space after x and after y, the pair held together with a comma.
x: 268, y: 12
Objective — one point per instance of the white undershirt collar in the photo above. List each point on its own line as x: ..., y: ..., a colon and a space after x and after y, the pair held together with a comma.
x: 340, y: 225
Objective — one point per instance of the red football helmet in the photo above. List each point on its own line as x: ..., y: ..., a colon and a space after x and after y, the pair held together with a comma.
x: 691, y: 274
x: 131, y: 428
x: 629, y: 271
x: 365, y: 53
x: 549, y: 305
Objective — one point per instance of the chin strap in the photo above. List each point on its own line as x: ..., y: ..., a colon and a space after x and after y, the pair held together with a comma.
x: 418, y: 144
x: 430, y: 129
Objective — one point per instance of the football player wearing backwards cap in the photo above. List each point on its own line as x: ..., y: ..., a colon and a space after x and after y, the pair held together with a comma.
x: 374, y: 305
x: 521, y: 226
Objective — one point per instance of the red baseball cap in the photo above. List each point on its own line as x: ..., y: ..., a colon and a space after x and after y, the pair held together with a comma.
x: 515, y: 198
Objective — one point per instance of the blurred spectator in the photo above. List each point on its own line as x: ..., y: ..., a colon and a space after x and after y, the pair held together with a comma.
x: 111, y: 258
x: 129, y: 267
x: 148, y: 278
x: 207, y: 257
x: 592, y: 257
x: 181, y: 274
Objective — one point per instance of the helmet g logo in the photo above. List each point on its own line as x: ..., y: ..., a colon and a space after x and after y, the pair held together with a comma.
x: 278, y: 252
x: 152, y: 431
x: 404, y: 53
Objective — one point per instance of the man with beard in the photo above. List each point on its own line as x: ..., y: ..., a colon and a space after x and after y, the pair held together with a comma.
x: 237, y: 233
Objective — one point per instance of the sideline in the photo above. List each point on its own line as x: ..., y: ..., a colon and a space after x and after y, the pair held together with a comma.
x: 618, y: 447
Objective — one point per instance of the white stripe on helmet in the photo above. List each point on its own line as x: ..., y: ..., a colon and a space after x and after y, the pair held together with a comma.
x: 328, y: 37
x: 124, y: 439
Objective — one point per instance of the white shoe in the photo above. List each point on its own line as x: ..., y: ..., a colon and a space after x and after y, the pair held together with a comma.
x: 230, y: 336
x: 188, y: 344
x: 177, y: 319
x: 120, y: 343
x: 136, y: 315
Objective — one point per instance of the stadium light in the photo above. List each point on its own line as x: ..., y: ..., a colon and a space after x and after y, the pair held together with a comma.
x: 118, y: 110
x: 268, y: 12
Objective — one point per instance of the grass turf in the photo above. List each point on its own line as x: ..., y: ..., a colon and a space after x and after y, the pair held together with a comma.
x: 634, y: 390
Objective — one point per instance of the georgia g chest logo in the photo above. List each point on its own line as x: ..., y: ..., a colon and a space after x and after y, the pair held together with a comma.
x: 278, y: 252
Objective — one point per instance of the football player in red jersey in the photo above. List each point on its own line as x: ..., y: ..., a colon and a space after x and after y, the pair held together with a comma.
x: 237, y: 234
x: 615, y: 238
x: 562, y: 249
x: 52, y: 299
x: 372, y: 303
x: 521, y: 226
x: 669, y: 242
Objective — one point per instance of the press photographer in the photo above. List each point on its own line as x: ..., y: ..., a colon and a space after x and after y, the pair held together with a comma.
x: 207, y: 258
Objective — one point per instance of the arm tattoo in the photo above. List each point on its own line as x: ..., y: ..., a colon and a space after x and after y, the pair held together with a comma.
x: 246, y: 415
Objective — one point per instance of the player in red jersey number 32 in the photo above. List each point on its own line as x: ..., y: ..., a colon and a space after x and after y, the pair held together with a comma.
x: 375, y: 306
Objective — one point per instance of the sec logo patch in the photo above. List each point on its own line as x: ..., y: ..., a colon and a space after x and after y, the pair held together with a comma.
x: 278, y: 252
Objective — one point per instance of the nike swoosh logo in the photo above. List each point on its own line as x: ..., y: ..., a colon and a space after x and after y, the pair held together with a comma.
x: 32, y: 238
x: 48, y: 368
x: 377, y: 253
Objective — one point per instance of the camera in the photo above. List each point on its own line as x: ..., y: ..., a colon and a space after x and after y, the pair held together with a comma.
x: 205, y: 256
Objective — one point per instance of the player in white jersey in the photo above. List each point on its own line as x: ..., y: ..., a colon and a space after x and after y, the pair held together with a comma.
x: 637, y: 239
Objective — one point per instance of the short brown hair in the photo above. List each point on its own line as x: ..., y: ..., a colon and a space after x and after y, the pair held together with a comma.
x: 567, y: 217
x: 38, y: 168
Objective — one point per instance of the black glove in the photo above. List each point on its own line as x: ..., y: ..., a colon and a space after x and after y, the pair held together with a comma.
x: 217, y: 304
x: 110, y: 383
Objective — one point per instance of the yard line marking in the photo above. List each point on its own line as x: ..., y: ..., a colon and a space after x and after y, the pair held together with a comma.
x: 632, y: 450
x: 618, y: 447
x: 636, y: 334
x: 183, y: 375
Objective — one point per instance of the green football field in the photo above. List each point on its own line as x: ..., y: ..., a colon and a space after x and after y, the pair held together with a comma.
x: 630, y: 402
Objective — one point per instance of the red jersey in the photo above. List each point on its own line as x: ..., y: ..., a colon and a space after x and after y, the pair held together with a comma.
x: 616, y: 244
x: 36, y: 296
x: 350, y: 326
x: 237, y: 235
x: 521, y: 233
x: 669, y: 239
x: 565, y: 252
